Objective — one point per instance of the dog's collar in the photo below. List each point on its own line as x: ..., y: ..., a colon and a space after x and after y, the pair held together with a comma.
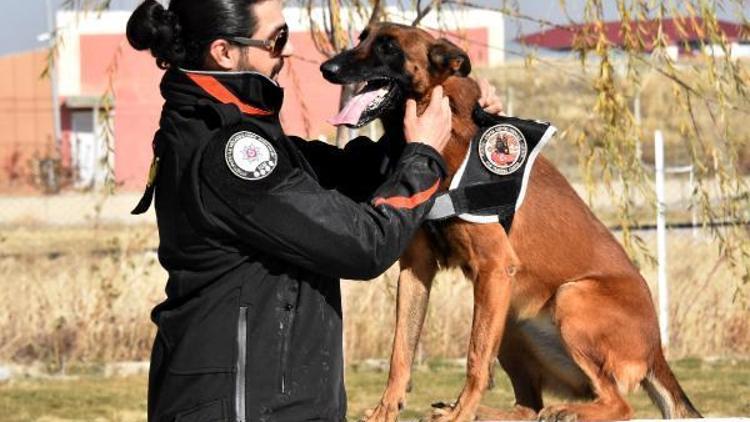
x: 490, y: 185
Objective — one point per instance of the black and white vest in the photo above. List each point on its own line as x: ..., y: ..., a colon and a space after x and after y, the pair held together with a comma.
x: 490, y: 184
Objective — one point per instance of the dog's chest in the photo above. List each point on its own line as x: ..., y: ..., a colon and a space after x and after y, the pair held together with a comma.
x: 454, y: 242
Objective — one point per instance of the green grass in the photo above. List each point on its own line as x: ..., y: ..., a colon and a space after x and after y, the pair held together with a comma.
x: 75, y: 399
x: 430, y: 384
x: 717, y: 389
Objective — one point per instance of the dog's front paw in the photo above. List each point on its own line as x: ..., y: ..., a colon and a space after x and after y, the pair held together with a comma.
x: 445, y: 412
x: 557, y: 414
x: 442, y: 411
x: 386, y: 411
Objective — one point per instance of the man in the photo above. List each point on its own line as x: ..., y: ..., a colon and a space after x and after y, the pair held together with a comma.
x: 255, y: 227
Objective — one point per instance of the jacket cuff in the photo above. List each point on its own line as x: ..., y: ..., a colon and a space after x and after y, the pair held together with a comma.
x: 418, y: 148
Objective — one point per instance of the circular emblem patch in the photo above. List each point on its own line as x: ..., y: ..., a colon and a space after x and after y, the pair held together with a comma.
x: 502, y: 149
x: 249, y: 156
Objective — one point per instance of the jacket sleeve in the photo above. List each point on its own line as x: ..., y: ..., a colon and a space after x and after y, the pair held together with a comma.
x: 355, y: 170
x: 288, y: 214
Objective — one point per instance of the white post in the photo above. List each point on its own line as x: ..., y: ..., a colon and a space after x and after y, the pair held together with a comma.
x: 693, y: 203
x: 661, y: 239
x: 509, y: 101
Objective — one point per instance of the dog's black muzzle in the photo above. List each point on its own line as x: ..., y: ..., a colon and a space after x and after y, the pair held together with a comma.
x: 330, y: 69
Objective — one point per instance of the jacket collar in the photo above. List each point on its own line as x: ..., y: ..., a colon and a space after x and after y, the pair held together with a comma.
x: 253, y: 93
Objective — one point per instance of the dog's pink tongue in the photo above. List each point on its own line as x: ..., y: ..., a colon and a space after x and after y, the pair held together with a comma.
x: 352, y: 111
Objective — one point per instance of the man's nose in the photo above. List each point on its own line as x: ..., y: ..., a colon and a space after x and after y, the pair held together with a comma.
x: 288, y: 50
x: 330, y: 69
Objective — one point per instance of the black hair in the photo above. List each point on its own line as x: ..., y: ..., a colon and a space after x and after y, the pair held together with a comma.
x: 180, y: 35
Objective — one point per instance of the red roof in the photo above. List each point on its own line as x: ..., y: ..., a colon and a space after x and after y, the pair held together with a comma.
x: 675, y: 30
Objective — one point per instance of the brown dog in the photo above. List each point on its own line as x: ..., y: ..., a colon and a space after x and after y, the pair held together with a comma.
x: 557, y: 300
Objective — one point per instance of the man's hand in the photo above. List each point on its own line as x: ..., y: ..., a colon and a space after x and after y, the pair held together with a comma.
x: 433, y: 127
x: 488, y: 99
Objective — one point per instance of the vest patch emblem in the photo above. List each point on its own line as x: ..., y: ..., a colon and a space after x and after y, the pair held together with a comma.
x: 249, y: 156
x: 503, y: 149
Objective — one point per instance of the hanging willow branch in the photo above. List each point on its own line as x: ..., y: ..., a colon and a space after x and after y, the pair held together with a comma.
x: 422, y: 12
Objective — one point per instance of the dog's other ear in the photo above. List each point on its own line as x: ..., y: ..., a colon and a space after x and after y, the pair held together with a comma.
x: 377, y: 12
x: 447, y: 57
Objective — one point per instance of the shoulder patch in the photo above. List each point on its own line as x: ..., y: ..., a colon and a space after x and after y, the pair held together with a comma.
x: 503, y: 149
x: 249, y: 156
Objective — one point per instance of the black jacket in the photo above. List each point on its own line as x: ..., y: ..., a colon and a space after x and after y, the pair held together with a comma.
x: 251, y: 329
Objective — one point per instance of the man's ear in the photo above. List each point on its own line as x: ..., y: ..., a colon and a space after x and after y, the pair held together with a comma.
x: 221, y: 56
x: 447, y: 57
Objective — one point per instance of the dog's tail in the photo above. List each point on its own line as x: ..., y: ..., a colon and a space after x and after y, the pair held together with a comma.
x: 664, y: 390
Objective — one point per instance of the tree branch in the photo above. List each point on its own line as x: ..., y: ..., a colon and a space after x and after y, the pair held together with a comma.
x: 421, y: 13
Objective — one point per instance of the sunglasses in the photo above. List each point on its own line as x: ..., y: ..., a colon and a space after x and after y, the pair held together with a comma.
x: 275, y: 45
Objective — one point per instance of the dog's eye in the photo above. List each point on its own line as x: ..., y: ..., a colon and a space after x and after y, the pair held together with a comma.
x: 364, y: 34
x: 387, y: 45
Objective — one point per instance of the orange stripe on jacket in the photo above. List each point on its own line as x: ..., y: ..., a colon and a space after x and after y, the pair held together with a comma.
x: 408, y: 202
x: 214, y: 88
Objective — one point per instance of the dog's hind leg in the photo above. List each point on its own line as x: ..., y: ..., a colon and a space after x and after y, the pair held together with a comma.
x: 614, y: 359
x: 418, y: 268
x: 494, y: 266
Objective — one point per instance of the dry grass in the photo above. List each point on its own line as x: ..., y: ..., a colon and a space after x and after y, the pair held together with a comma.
x: 709, y: 313
x: 370, y: 313
x: 79, y: 307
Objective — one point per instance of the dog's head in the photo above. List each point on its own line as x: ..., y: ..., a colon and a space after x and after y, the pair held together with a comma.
x: 394, y: 62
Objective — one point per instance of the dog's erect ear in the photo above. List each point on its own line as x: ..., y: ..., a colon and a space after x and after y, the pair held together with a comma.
x: 377, y: 12
x: 447, y: 57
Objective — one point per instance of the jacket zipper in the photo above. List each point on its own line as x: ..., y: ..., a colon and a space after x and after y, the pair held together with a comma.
x: 286, y: 332
x: 239, y: 399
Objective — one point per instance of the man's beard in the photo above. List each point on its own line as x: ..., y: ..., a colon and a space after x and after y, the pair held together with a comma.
x: 245, y: 66
x: 277, y: 69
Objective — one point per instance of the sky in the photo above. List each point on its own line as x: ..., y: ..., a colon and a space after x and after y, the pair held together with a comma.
x: 23, y: 21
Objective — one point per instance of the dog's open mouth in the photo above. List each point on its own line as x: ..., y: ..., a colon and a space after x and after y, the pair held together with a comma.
x: 367, y: 104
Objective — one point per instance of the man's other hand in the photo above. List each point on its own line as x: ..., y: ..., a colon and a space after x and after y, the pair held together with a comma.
x: 488, y: 99
x: 433, y: 127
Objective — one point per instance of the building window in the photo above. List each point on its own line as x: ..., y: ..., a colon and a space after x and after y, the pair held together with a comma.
x: 88, y: 148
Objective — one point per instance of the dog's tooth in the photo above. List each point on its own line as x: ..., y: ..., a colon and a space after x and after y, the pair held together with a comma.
x: 374, y: 104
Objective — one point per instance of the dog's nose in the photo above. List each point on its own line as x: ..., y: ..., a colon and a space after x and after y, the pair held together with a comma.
x: 330, y: 69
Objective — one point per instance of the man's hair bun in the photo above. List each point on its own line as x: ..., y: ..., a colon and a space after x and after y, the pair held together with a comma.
x: 152, y: 27
x: 181, y: 35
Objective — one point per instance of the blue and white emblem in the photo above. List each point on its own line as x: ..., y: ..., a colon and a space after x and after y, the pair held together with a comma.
x: 249, y: 156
